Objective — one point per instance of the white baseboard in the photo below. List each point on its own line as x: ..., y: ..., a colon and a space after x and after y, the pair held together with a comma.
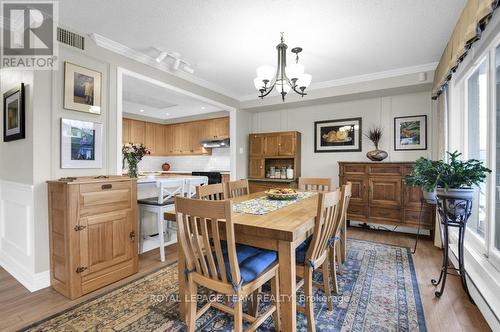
x: 32, y: 281
x: 399, y: 229
x: 481, y: 288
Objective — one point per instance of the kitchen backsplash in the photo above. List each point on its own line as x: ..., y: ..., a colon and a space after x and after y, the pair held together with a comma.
x: 218, y: 161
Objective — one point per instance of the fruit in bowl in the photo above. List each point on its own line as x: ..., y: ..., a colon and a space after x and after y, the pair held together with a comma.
x: 282, y: 193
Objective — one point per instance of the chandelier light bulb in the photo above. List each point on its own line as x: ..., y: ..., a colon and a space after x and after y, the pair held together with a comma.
x: 304, y: 80
x: 294, y: 70
x: 259, y: 84
x: 266, y: 72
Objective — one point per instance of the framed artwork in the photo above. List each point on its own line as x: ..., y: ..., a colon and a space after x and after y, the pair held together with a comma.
x: 81, y: 144
x: 343, y: 135
x: 14, y: 114
x: 82, y: 89
x: 410, y: 133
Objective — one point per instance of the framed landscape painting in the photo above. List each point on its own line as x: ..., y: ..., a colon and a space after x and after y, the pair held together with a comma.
x: 81, y: 144
x: 343, y: 135
x: 82, y: 89
x: 410, y: 133
x: 14, y: 114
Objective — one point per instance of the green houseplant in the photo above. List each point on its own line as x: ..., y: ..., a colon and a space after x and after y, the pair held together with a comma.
x: 425, y: 175
x: 133, y: 154
x: 454, y: 178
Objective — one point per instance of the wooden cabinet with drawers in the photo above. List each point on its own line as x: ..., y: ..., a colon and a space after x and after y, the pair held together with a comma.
x: 92, y: 233
x: 379, y: 194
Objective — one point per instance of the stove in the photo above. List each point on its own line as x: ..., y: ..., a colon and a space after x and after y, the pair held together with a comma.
x: 213, y: 177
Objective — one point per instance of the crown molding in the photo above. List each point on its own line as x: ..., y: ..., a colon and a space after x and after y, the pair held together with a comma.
x: 128, y: 52
x: 362, y: 78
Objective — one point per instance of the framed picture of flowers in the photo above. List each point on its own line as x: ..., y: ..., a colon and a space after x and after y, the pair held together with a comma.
x: 410, y: 133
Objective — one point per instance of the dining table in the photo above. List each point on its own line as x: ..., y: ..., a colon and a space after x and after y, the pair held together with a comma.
x: 281, y: 230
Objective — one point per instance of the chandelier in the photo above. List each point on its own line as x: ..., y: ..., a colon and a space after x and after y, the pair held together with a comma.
x: 284, y: 77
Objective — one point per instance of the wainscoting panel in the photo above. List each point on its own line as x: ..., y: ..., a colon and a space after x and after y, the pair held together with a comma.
x: 17, y: 235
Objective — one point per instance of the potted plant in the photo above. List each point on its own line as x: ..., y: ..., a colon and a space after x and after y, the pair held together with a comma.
x: 133, y: 153
x: 425, y: 175
x: 456, y: 178
x: 375, y: 135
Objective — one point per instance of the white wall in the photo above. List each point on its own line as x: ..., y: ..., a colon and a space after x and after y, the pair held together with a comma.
x: 374, y: 111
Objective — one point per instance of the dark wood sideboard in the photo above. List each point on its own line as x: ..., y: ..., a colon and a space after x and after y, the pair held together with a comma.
x: 379, y: 194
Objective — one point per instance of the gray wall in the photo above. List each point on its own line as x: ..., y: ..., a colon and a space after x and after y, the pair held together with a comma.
x: 373, y: 111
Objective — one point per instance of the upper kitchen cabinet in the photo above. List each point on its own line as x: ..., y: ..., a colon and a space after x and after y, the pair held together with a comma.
x: 219, y: 128
x: 256, y: 145
x: 175, y: 139
x: 137, y: 131
x: 274, y: 144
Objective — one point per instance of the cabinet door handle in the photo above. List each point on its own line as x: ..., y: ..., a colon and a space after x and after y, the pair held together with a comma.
x: 106, y: 186
x: 132, y: 236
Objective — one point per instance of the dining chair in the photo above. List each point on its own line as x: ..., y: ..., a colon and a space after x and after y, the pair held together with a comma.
x: 220, y: 265
x: 319, y: 184
x: 212, y: 192
x: 193, y: 183
x: 238, y: 188
x: 168, y: 189
x: 313, y: 254
x: 338, y: 240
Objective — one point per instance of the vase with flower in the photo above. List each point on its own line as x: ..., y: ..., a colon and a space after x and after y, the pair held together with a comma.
x: 133, y: 154
x: 375, y: 135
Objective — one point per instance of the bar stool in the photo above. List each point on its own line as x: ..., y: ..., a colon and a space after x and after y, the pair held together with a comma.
x: 167, y: 190
x: 192, y: 183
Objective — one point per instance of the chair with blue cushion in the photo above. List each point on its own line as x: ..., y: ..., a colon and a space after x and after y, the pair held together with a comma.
x: 313, y: 253
x: 214, y: 261
x: 338, y: 248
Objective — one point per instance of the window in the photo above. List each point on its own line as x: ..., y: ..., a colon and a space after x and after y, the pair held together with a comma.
x: 495, y: 229
x: 477, y: 136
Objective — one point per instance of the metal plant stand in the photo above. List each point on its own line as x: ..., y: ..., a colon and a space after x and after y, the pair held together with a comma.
x: 423, y: 201
x: 453, y: 212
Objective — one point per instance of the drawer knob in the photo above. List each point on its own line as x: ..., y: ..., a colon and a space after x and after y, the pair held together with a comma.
x: 106, y: 186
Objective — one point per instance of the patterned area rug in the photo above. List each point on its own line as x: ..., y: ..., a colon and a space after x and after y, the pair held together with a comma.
x: 378, y: 292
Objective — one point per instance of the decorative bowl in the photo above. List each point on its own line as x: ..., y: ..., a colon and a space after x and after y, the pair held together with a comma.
x: 281, y: 193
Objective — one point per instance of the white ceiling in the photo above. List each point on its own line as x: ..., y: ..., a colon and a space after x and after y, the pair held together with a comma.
x: 150, y: 100
x: 225, y: 40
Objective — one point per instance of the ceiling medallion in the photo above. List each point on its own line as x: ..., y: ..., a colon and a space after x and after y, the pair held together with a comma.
x: 283, y: 77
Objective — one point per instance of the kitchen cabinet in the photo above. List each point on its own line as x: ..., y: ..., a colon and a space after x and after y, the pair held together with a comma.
x: 137, y: 131
x: 379, y: 194
x: 92, y: 233
x: 175, y: 139
x: 219, y: 128
x: 278, y: 149
x: 256, y: 168
x: 256, y: 145
x: 125, y: 131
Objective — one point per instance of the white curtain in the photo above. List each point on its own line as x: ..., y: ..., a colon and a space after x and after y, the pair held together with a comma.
x: 440, y: 142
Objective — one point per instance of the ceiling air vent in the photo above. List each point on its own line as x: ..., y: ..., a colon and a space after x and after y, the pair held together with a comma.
x: 70, y: 38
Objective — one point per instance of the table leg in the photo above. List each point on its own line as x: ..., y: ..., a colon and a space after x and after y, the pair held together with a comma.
x: 181, y: 266
x: 286, y: 252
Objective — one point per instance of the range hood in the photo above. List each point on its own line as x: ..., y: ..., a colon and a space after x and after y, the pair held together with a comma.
x: 215, y: 143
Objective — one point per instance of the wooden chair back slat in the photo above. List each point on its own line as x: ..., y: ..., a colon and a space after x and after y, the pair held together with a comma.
x: 199, y: 245
x: 325, y: 224
x: 345, y: 197
x: 212, y: 192
x: 317, y: 184
x: 238, y: 188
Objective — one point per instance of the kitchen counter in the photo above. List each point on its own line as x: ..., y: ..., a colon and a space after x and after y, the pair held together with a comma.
x: 142, y: 179
x: 187, y: 172
x: 274, y: 180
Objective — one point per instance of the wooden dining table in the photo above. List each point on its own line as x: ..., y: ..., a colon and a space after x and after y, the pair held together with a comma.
x: 281, y: 230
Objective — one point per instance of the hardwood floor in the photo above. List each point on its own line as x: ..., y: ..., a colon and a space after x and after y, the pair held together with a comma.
x: 452, y: 312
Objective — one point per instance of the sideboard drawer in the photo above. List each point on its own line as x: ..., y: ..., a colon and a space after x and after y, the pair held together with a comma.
x: 381, y: 169
x: 354, y: 169
x: 104, y: 197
